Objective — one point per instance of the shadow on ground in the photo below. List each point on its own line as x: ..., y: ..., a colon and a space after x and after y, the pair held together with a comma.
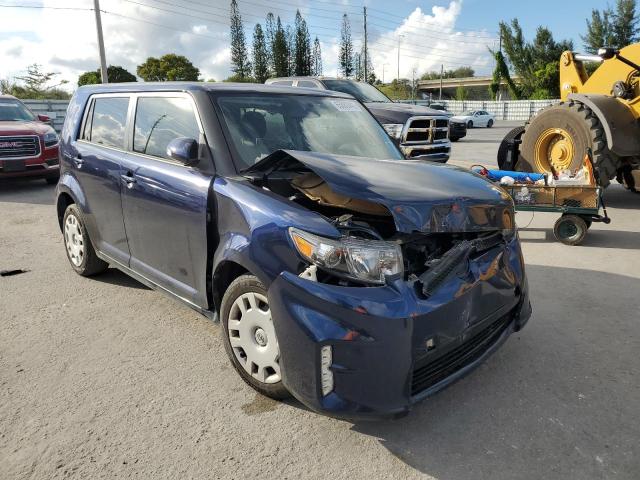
x: 34, y: 191
x: 116, y: 277
x: 606, y: 237
x: 542, y: 406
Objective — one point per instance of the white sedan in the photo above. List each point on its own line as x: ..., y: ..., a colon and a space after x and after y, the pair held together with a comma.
x: 475, y: 118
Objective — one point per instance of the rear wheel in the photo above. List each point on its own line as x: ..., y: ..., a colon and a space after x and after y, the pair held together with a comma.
x: 250, y: 336
x: 570, y: 229
x: 80, y: 252
x: 490, y: 123
x: 469, y: 124
x: 558, y: 139
x: 503, y: 150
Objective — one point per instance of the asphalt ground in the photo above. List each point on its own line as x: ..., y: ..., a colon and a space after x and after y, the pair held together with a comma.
x: 104, y: 378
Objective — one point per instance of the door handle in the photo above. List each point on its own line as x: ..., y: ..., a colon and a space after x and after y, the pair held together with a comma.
x: 77, y: 160
x: 128, y: 178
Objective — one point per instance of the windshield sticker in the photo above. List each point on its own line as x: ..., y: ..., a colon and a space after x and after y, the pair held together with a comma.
x: 346, y: 105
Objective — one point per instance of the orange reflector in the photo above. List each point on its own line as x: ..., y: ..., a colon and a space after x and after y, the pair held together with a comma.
x: 303, y: 246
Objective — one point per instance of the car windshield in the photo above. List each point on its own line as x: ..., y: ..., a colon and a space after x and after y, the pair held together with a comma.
x: 261, y: 124
x: 14, y: 111
x: 360, y: 90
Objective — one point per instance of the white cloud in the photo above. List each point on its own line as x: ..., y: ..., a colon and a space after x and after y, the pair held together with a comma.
x: 428, y: 41
x: 65, y: 40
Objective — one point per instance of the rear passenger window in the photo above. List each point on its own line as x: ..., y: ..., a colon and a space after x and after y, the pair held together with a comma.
x: 160, y: 120
x: 306, y: 84
x: 283, y: 83
x: 107, y: 124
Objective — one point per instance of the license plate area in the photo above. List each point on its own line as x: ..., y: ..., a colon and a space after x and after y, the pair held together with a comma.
x: 13, y: 166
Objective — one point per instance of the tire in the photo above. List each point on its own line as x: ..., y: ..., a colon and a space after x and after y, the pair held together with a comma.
x: 80, y: 253
x: 53, y: 180
x: 256, y: 363
x: 454, y: 139
x: 503, y: 149
x: 570, y: 229
x: 585, y: 131
x: 469, y: 124
x: 490, y: 123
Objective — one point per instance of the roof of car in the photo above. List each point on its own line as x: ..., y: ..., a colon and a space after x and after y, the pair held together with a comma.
x: 205, y: 86
x: 6, y: 96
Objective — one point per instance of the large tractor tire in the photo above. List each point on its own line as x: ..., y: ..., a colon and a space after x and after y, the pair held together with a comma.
x: 503, y: 150
x: 558, y: 137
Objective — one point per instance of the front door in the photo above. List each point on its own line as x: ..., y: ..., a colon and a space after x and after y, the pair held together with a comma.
x: 165, y: 202
x: 95, y: 162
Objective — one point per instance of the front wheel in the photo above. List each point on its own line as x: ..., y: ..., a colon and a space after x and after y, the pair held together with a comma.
x: 469, y: 124
x: 80, y: 252
x: 250, y: 336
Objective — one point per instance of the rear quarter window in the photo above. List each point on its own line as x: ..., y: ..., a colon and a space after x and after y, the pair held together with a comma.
x: 106, y: 121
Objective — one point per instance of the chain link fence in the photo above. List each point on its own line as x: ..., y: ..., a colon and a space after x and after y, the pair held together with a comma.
x: 507, y: 110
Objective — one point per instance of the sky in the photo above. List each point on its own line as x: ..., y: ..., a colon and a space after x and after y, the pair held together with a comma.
x: 62, y: 35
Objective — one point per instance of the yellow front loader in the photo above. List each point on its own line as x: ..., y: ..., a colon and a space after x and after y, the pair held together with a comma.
x: 598, y: 116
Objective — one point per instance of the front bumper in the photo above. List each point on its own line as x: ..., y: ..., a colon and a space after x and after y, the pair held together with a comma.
x: 387, y: 340
x: 457, y: 130
x: 435, y: 152
x: 47, y: 164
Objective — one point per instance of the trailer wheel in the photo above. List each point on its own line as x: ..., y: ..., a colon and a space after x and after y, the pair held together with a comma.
x: 570, y: 229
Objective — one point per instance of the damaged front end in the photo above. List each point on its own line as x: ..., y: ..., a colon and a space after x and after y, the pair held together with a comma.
x: 419, y: 285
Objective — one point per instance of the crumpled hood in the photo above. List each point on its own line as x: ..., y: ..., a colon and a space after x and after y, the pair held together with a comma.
x: 421, y: 196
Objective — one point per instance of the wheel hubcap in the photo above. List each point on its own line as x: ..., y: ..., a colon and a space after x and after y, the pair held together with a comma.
x: 554, y: 150
x: 253, y: 337
x: 74, y: 240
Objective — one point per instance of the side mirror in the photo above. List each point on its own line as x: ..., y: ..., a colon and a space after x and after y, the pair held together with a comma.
x: 183, y: 150
x: 606, y: 53
x: 44, y: 118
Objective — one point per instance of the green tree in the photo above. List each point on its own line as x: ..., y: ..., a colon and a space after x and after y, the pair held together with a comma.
x: 240, y: 64
x: 169, y: 67
x: 36, y: 84
x: 461, y: 93
x: 461, y: 72
x: 280, y: 52
x: 291, y: 49
x: 270, y: 38
x: 612, y: 28
x: 500, y: 74
x: 537, y: 62
x: 316, y: 62
x: 115, y: 74
x: 346, y: 48
x: 302, y: 46
x: 260, y: 55
x: 397, y: 90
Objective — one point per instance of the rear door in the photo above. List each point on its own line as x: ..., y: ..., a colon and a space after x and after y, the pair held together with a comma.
x: 165, y: 202
x: 95, y: 162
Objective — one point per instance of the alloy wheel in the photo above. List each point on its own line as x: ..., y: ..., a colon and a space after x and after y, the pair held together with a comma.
x: 74, y: 240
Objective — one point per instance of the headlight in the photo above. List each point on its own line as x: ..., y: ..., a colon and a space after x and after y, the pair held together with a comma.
x: 359, y: 259
x: 394, y: 129
x: 51, y: 139
x: 510, y: 229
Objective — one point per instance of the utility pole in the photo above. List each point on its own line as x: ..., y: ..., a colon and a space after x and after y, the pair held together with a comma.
x: 441, y: 74
x: 399, y: 37
x: 366, y: 53
x: 383, y: 65
x: 413, y: 85
x: 103, y: 60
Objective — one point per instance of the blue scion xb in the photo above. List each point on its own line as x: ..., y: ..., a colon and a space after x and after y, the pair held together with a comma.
x: 344, y: 275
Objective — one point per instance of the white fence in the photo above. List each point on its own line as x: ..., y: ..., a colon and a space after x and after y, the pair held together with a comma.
x: 55, y: 109
x: 507, y: 110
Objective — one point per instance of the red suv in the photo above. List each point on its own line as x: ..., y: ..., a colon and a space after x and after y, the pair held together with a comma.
x: 28, y: 145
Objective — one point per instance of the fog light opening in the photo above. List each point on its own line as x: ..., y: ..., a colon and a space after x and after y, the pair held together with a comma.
x: 326, y: 375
